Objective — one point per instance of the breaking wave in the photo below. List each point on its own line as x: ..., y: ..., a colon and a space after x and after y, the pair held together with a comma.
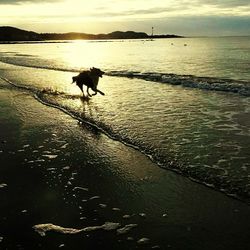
x: 206, y: 83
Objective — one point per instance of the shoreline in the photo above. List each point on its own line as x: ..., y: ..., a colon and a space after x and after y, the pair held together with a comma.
x: 91, y: 40
x: 47, y: 155
x: 89, y: 123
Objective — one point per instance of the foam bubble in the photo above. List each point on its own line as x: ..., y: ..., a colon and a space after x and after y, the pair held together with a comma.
x: 126, y: 228
x: 42, y: 229
x: 50, y: 156
x: 143, y: 241
x: 81, y: 188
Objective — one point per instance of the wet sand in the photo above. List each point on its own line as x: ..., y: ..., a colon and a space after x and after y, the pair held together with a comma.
x: 56, y: 171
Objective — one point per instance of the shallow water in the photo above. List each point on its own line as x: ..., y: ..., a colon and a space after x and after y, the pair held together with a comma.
x: 226, y: 57
x: 94, y: 179
x: 202, y: 134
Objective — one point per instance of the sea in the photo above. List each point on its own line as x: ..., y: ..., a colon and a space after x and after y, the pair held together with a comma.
x: 182, y: 102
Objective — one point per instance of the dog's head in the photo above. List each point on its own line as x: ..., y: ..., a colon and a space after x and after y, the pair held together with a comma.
x: 97, y: 72
x: 74, y: 78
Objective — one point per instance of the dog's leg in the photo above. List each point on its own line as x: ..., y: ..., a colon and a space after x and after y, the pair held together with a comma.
x: 99, y: 91
x: 81, y: 87
x: 88, y: 92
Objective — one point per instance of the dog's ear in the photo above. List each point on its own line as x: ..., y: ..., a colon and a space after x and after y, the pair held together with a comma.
x: 73, y: 79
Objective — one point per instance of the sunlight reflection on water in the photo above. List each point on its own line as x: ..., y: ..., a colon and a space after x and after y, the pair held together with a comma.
x: 214, y: 57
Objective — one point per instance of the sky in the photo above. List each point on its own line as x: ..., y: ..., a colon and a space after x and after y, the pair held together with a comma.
x: 181, y: 17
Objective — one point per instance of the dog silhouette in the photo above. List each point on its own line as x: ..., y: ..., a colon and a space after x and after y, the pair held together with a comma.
x: 89, y: 78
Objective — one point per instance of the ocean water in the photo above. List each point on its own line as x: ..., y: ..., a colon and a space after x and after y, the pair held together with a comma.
x: 185, y: 103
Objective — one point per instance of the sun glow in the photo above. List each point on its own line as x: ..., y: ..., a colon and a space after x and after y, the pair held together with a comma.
x: 81, y: 54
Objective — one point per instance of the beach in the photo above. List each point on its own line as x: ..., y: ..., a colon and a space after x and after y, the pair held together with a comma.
x: 160, y: 162
x: 56, y: 170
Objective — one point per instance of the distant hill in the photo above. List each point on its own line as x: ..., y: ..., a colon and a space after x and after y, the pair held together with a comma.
x: 14, y: 34
x: 113, y: 35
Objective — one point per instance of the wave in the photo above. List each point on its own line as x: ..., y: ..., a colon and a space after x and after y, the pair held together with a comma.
x: 23, y: 61
x: 205, y: 83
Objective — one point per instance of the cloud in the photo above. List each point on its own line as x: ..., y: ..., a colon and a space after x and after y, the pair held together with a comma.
x: 158, y: 8
x: 224, y: 3
x: 185, y: 17
x: 14, y: 2
x: 204, y: 25
x: 135, y: 12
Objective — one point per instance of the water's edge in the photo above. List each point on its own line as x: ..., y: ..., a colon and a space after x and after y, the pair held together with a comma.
x: 100, y: 127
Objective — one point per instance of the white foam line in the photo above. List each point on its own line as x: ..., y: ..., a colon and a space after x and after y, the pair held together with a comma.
x: 42, y: 229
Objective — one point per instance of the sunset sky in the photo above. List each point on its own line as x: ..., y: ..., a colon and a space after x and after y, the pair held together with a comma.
x: 182, y: 17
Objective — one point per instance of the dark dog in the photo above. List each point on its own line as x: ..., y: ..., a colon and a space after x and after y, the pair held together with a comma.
x: 90, y: 78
